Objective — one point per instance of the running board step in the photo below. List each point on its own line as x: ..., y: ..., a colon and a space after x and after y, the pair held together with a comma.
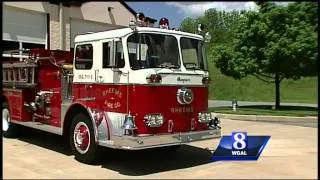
x: 40, y: 126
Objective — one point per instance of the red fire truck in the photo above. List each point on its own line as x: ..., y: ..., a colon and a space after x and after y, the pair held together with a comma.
x: 130, y: 88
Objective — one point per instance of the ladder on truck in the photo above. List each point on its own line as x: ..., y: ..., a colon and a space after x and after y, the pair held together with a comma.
x: 18, y: 73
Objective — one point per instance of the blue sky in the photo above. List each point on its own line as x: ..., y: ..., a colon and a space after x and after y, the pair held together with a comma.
x: 158, y: 10
x: 177, y: 11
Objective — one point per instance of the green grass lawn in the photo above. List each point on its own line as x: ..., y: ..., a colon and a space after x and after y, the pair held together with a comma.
x: 252, y: 89
x: 267, y: 110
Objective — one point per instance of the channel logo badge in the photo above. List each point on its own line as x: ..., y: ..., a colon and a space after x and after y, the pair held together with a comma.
x: 240, y: 146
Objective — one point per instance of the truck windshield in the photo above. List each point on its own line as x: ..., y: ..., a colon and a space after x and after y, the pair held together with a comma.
x: 153, y: 51
x: 193, y: 54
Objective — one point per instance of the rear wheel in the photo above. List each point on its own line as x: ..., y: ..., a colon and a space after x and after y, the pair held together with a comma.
x: 9, y: 130
x: 82, y: 140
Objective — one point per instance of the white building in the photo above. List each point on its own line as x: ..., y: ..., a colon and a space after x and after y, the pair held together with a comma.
x: 54, y: 25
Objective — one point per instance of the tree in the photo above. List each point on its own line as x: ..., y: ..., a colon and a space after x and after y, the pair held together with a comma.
x: 275, y: 43
x: 188, y: 25
x: 218, y: 23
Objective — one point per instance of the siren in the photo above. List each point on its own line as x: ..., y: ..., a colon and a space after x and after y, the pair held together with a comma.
x: 140, y: 17
x: 164, y: 23
x: 140, y: 20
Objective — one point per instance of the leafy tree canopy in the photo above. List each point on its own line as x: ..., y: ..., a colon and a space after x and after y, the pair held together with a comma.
x: 274, y: 43
x: 281, y: 40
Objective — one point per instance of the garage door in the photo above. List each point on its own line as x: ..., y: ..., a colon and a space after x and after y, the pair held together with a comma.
x: 78, y: 26
x: 24, y: 26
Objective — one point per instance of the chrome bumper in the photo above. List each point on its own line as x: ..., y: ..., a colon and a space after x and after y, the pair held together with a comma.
x: 152, y: 141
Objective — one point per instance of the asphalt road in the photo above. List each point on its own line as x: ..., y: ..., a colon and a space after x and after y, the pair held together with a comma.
x: 221, y: 103
x: 290, y: 153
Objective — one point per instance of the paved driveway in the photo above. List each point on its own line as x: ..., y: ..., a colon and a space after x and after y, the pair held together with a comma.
x: 290, y: 153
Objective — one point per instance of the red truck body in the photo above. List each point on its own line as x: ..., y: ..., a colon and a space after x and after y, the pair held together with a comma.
x: 121, y: 108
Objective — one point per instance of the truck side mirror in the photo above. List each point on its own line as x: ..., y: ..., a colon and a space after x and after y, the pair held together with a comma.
x: 207, y: 37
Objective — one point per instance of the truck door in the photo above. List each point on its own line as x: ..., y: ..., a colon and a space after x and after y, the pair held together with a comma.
x: 111, y: 76
x: 112, y: 62
x: 84, y: 70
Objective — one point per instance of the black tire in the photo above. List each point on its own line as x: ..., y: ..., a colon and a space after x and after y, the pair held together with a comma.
x: 12, y: 129
x: 91, y: 155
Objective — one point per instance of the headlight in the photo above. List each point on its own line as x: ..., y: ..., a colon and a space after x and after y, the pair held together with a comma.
x: 216, y: 121
x: 204, y: 117
x: 154, y: 120
x: 201, y: 117
x: 184, y: 96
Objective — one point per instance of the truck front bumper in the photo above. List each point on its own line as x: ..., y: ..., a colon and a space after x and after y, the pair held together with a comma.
x: 152, y: 141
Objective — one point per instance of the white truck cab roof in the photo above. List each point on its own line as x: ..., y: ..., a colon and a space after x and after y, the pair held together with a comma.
x: 125, y: 31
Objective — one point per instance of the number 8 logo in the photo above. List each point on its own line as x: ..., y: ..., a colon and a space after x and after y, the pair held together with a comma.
x: 239, y: 143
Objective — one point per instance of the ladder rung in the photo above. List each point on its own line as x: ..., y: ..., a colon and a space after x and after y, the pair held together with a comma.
x: 15, y: 56
x: 19, y: 74
x: 17, y: 65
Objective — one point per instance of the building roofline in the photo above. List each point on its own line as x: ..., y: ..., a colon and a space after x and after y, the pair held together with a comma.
x: 152, y: 20
x: 77, y: 3
x: 69, y: 3
x: 128, y: 7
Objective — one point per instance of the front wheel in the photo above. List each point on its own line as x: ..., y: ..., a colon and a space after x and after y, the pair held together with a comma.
x: 9, y: 130
x: 82, y: 140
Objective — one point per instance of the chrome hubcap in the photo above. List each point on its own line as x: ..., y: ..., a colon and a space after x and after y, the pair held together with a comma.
x: 81, y: 137
x: 5, y: 119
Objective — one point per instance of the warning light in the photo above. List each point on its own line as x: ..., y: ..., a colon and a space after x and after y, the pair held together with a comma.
x: 164, y: 23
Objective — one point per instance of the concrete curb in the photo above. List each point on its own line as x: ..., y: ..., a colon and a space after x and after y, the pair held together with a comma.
x: 267, y: 118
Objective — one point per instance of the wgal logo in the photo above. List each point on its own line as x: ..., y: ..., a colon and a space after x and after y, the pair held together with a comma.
x: 240, y: 146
